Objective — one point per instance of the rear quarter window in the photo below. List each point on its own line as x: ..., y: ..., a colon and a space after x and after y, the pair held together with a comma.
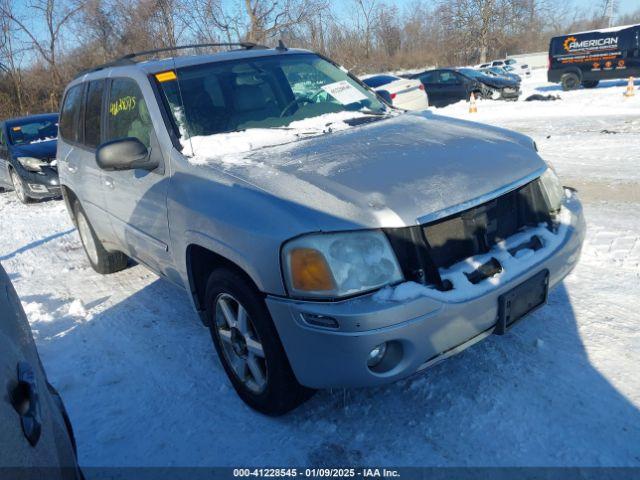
x: 70, y: 114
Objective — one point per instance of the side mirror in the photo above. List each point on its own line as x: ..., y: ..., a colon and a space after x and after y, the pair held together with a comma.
x: 124, y: 154
x: 386, y: 96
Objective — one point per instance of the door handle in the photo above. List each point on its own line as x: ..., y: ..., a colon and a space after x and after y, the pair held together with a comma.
x: 26, y: 401
x: 108, y: 182
x: 71, y: 168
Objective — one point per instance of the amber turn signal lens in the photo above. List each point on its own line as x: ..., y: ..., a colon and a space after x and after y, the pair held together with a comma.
x: 309, y: 271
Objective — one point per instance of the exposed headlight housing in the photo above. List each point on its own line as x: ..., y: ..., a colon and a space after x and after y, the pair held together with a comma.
x: 552, y: 189
x: 32, y: 164
x: 332, y: 265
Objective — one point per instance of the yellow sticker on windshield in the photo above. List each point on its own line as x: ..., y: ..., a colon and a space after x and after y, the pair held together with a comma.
x: 123, y: 104
x: 166, y: 76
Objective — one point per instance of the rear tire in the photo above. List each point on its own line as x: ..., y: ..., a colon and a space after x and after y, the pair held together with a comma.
x: 19, y: 187
x: 249, y: 346
x: 101, y: 260
x: 590, y: 83
x: 569, y: 81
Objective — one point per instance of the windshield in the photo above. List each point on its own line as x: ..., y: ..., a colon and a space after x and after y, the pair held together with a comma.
x: 379, y: 80
x: 33, y: 131
x: 268, y: 92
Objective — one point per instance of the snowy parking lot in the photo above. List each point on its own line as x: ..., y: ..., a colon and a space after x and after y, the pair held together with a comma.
x: 143, y: 386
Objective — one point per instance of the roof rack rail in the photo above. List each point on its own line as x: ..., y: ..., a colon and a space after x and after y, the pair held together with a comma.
x: 245, y: 45
x: 129, y: 58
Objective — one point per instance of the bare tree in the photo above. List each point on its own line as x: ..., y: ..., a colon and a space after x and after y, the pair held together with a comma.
x: 209, y: 21
x: 9, y: 62
x: 268, y: 18
x: 53, y: 15
x: 388, y: 29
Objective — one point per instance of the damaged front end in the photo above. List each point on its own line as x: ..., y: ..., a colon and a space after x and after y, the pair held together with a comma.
x: 468, y: 247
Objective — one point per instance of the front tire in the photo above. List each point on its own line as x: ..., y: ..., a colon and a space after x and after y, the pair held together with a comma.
x: 19, y: 187
x: 101, y: 260
x: 570, y: 81
x: 249, y: 347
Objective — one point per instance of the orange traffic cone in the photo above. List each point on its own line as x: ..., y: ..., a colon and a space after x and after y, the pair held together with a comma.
x: 473, y: 108
x: 630, y: 88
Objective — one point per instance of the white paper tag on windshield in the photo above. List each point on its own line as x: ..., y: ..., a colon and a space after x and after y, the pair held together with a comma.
x: 344, y: 92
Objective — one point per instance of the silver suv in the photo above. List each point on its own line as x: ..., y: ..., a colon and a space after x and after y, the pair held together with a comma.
x: 325, y: 238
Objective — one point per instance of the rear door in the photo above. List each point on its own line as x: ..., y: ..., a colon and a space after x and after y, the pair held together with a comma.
x: 453, y: 86
x: 631, y: 51
x: 36, y: 440
x: 433, y: 87
x: 76, y: 151
x: 136, y: 200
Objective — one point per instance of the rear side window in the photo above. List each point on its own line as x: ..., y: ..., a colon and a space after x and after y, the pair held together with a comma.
x: 93, y: 114
x: 450, y: 78
x: 431, y: 77
x: 70, y: 115
x: 127, y: 112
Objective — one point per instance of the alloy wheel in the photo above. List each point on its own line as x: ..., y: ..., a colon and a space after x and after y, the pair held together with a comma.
x: 18, y: 187
x: 241, y: 344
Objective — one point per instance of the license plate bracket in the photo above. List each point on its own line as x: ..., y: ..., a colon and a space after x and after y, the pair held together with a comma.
x: 521, y: 301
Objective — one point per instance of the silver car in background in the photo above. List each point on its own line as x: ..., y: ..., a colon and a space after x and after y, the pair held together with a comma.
x: 405, y: 93
x: 326, y: 238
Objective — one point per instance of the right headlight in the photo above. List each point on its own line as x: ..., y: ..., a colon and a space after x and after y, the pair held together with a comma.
x: 332, y: 265
x: 552, y: 189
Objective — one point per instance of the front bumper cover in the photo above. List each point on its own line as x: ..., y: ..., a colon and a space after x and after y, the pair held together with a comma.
x: 429, y: 329
x: 47, y: 182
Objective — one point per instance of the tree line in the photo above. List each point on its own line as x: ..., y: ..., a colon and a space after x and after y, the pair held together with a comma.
x: 45, y: 43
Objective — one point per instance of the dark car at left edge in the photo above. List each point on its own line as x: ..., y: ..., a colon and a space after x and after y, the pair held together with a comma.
x: 28, y: 156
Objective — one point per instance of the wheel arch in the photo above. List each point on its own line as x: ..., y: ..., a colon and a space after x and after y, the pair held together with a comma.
x: 200, y: 262
x: 69, y: 198
x: 575, y: 70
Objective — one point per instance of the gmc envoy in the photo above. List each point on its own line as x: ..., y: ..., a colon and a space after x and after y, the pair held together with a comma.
x: 326, y: 238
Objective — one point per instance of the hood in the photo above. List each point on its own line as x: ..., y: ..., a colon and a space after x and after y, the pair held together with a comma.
x: 42, y: 150
x: 399, y: 171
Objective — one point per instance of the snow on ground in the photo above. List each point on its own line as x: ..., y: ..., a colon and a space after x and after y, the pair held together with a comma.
x: 143, y: 385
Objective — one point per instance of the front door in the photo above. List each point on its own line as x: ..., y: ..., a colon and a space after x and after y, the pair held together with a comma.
x: 136, y: 200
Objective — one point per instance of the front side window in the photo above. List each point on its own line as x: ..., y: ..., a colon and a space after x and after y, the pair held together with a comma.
x: 93, y: 114
x: 29, y: 132
x: 127, y: 112
x: 267, y: 92
x: 70, y: 115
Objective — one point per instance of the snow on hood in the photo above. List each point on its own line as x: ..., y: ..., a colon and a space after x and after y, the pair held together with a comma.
x: 387, y: 173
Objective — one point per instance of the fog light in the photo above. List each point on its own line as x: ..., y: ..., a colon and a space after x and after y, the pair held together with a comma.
x: 38, y: 188
x: 376, y: 355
